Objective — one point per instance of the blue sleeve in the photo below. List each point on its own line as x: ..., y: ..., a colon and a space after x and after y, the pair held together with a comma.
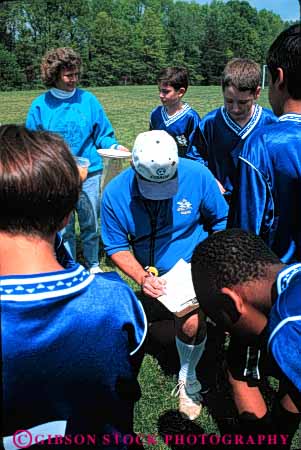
x: 33, y: 119
x: 252, y: 204
x: 197, y: 144
x: 114, y: 234
x: 103, y: 132
x: 214, y: 208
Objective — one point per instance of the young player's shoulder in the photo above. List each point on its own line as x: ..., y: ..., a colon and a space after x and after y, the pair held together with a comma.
x: 191, y: 169
x: 265, y: 139
x: 156, y: 110
x: 211, y: 116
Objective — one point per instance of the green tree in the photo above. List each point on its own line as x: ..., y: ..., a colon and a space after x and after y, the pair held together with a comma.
x: 149, y: 48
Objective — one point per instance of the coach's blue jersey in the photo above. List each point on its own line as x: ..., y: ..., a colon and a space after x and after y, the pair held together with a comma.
x: 285, y: 324
x: 224, y: 141
x: 182, y: 221
x: 67, y: 337
x: 183, y: 127
x: 268, y: 198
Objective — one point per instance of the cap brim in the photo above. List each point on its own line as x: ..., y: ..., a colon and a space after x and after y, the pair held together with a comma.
x: 153, y: 190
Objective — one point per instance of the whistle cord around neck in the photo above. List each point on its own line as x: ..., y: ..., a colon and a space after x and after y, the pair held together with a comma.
x: 153, y: 214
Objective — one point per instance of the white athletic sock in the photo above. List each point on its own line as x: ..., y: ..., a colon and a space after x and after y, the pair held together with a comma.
x: 189, y: 357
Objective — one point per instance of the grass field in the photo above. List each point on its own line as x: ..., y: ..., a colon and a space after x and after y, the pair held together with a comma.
x: 128, y: 109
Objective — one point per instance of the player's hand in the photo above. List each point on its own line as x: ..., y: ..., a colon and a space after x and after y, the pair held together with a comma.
x: 124, y: 149
x: 153, y: 286
x: 221, y: 187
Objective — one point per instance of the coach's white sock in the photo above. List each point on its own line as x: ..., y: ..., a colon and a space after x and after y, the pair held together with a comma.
x: 189, y: 357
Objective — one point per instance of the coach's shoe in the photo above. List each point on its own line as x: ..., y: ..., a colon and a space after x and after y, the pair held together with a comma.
x: 190, y: 398
x: 94, y: 270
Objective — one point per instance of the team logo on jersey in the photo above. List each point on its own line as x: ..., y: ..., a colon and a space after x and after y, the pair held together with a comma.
x: 182, y: 140
x: 184, y: 207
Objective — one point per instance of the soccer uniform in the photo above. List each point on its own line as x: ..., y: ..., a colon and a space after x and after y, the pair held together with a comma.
x: 268, y: 196
x: 162, y: 232
x: 282, y: 338
x: 285, y: 325
x: 183, y: 126
x: 224, y: 140
x: 67, y: 337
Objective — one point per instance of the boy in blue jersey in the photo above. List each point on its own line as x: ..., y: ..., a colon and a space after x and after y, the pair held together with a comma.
x: 161, y: 207
x: 175, y: 116
x: 80, y: 119
x: 267, y: 199
x: 244, y: 288
x: 69, y: 338
x: 226, y: 128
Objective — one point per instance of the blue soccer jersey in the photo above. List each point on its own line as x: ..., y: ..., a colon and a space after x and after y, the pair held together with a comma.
x: 183, y: 127
x: 180, y: 222
x: 67, y: 337
x: 224, y: 141
x: 268, y: 197
x: 285, y: 324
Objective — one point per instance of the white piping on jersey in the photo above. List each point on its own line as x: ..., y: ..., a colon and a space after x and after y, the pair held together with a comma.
x: 283, y: 281
x: 281, y: 324
x: 145, y: 330
x: 46, y: 288
x: 290, y: 117
x: 267, y: 184
x: 285, y: 276
x: 168, y: 120
x: 242, y: 132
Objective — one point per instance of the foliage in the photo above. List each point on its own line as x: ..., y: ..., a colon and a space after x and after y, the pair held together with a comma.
x: 128, y: 41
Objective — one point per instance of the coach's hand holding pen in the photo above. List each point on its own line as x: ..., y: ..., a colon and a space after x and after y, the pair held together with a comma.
x: 152, y: 285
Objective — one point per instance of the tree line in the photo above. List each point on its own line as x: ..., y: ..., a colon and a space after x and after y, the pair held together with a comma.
x: 129, y: 41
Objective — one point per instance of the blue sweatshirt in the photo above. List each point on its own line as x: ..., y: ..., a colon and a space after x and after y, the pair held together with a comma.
x: 80, y: 120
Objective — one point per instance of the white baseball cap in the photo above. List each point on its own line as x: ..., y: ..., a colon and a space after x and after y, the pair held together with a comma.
x: 155, y: 160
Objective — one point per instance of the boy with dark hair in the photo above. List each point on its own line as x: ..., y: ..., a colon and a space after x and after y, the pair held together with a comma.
x: 243, y: 287
x: 267, y: 199
x: 226, y: 128
x: 175, y: 116
x: 61, y: 373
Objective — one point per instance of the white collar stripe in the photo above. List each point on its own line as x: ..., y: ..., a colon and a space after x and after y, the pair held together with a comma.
x: 47, y: 287
x: 242, y: 132
x: 290, y: 117
x: 168, y: 120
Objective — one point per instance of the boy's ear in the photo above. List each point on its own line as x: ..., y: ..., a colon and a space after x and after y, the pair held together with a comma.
x: 181, y: 91
x: 235, y: 298
x: 280, y: 82
x: 257, y: 92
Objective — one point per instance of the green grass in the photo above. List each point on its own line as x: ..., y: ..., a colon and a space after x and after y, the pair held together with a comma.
x: 128, y: 108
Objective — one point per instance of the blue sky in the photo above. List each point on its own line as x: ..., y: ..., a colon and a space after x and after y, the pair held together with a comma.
x: 287, y: 9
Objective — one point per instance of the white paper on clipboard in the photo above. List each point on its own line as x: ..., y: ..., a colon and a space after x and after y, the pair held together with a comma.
x: 180, y: 296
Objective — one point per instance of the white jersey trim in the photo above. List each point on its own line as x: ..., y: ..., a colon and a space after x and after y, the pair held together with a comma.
x: 282, y: 324
x: 169, y: 120
x: 242, y: 132
x: 290, y: 117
